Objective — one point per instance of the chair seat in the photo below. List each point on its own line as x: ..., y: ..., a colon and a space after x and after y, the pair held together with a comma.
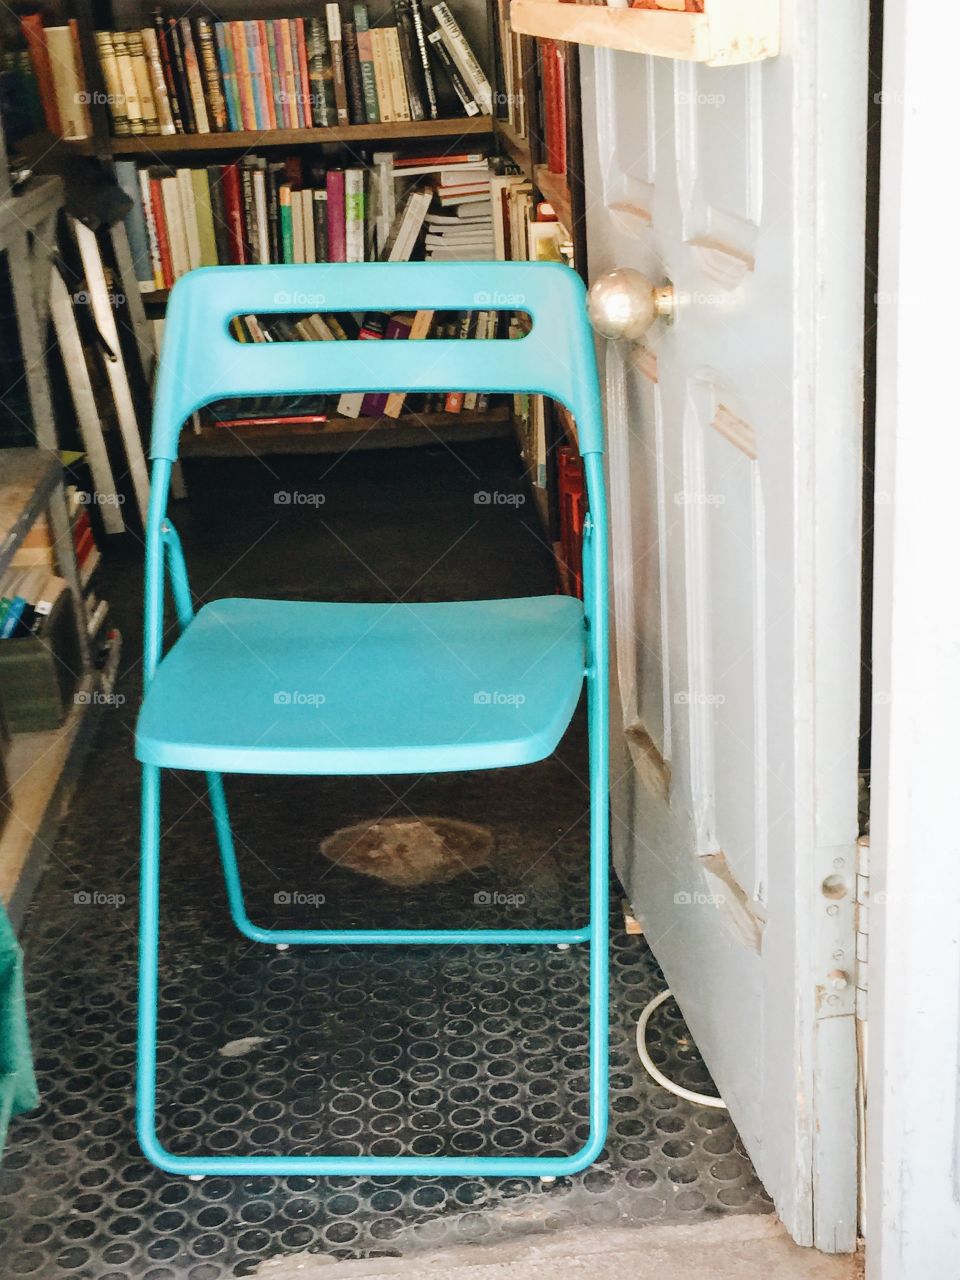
x: 298, y: 687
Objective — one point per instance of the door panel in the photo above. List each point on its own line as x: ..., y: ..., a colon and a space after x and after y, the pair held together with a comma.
x: 733, y: 452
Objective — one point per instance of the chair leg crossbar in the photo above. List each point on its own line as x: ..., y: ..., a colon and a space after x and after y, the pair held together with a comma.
x: 165, y: 557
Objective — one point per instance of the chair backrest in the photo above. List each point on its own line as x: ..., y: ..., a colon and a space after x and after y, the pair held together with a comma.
x: 202, y: 361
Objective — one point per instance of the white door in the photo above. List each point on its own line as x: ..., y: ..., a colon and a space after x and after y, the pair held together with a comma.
x: 734, y: 458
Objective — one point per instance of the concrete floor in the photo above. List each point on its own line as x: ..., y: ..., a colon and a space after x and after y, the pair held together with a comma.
x: 729, y: 1249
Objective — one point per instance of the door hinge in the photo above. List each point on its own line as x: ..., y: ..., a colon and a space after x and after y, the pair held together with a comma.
x: 863, y: 925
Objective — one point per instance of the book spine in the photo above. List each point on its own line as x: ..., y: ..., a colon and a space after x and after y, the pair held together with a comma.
x: 32, y: 27
x: 416, y: 16
x: 237, y: 39
x: 228, y: 77
x: 289, y: 74
x: 116, y: 99
x: 259, y: 180
x: 136, y: 224
x: 411, y: 63
x: 219, y: 212
x: 375, y: 402
x: 191, y: 228
x: 158, y: 80
x: 146, y: 203
x: 180, y: 74
x: 176, y: 233
x: 398, y: 86
x: 303, y: 71
x: 163, y: 240
x: 381, y: 72
x: 320, y: 225
x: 319, y: 72
x: 335, y: 38
x: 351, y: 63
x: 169, y: 79
x: 286, y: 222
x: 368, y: 79
x: 203, y: 213
x: 249, y: 212
x: 463, y: 56
x: 233, y: 203
x: 265, y: 73
x: 128, y: 82
x: 251, y: 50
x: 336, y: 217
x: 141, y: 76
x: 194, y: 83
x: 453, y: 75
x: 278, y: 90
x: 354, y: 203
x: 210, y: 76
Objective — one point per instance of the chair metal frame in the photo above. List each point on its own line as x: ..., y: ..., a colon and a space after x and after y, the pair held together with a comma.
x: 201, y: 362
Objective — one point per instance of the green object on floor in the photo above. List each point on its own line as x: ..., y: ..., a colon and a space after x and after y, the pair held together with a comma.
x: 18, y: 1084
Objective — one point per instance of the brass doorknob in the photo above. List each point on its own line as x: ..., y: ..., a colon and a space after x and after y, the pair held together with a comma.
x: 623, y: 304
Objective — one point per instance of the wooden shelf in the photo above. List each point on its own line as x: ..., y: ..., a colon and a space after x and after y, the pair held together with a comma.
x: 29, y: 477
x: 342, y: 433
x: 156, y: 144
x: 553, y: 187
x: 725, y: 33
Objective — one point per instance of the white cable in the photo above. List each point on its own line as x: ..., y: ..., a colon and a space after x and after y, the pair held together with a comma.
x: 702, y: 1099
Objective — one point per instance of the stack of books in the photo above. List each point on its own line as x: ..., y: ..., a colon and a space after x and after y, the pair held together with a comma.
x: 257, y: 210
x: 194, y: 75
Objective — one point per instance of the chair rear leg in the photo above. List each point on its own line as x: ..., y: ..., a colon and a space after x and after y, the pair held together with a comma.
x: 228, y: 858
x: 149, y: 963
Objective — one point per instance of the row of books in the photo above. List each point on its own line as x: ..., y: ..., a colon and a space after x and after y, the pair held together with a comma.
x: 257, y: 210
x: 27, y: 597
x: 517, y: 57
x: 371, y: 326
x: 196, y: 75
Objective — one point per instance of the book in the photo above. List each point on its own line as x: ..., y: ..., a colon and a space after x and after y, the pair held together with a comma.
x: 336, y: 216
x: 375, y: 402
x: 416, y: 17
x: 191, y: 232
x: 158, y: 81
x: 178, y: 65
x: 34, y: 32
x: 406, y: 38
x: 372, y: 329
x: 166, y: 62
x: 381, y: 71
x: 398, y: 85
x: 211, y: 87
x: 354, y: 77
x: 435, y: 39
x: 354, y: 215
x: 141, y: 78
x: 407, y: 224
x: 302, y: 73
x: 419, y: 329
x: 335, y: 39
x: 321, y: 75
x: 371, y: 107
x: 116, y: 98
x: 464, y: 57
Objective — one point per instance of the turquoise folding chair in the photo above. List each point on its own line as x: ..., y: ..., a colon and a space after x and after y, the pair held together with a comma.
x: 401, y: 696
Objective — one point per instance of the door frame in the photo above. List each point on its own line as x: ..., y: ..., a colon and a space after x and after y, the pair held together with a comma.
x: 912, y: 1203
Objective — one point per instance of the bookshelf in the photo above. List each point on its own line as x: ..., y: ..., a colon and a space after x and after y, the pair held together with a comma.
x: 405, y: 130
